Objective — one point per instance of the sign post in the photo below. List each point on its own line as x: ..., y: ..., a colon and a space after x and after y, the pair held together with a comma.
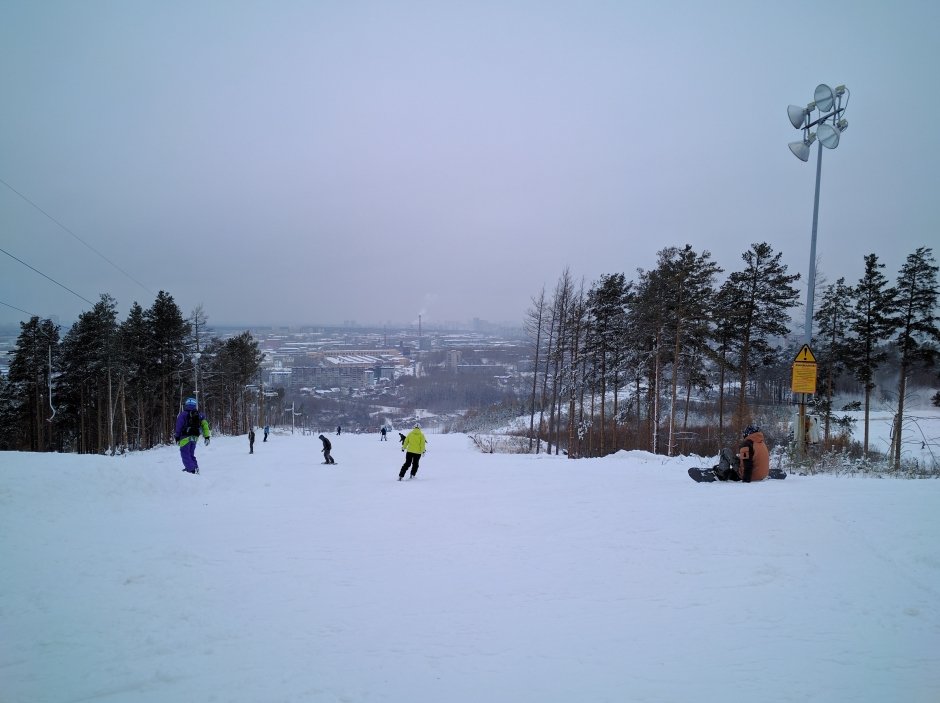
x: 803, y: 381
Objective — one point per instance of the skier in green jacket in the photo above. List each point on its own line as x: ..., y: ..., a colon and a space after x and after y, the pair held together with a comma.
x: 414, y: 446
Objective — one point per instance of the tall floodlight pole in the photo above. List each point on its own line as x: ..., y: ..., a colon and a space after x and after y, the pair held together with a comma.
x: 829, y: 127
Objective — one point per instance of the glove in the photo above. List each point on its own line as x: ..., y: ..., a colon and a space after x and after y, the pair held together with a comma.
x: 207, y: 441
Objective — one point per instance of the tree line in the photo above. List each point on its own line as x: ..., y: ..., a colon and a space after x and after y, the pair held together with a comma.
x: 623, y: 363
x: 108, y: 386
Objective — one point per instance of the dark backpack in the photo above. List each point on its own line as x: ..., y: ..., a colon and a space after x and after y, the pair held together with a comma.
x: 193, y: 426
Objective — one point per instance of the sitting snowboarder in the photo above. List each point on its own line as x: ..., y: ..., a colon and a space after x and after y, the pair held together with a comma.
x: 751, y: 463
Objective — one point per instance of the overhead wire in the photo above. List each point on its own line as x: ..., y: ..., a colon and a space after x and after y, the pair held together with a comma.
x: 66, y: 229
x: 48, y: 277
x: 25, y: 312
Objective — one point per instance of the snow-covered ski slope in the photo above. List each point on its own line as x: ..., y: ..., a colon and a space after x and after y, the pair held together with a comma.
x: 270, y: 577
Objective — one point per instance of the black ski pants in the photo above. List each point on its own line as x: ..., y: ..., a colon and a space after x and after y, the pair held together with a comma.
x: 411, y: 460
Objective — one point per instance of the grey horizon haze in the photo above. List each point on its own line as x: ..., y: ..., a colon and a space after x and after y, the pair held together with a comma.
x: 322, y: 162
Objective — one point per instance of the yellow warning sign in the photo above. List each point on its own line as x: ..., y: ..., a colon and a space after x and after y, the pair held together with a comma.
x: 803, y: 379
x: 805, y: 355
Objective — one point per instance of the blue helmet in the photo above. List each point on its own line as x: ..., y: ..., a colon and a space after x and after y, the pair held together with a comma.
x: 751, y: 429
x: 190, y: 403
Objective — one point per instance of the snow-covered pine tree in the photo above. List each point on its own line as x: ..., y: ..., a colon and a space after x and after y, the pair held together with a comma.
x: 763, y: 294
x: 832, y: 344
x: 26, y: 402
x: 917, y: 331
x: 871, y: 325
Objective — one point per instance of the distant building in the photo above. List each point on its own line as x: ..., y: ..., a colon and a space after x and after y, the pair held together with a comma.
x: 346, y: 368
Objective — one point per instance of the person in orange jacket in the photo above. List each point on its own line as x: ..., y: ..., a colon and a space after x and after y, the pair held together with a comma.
x: 751, y: 463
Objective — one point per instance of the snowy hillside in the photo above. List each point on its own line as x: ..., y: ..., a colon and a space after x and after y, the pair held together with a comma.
x: 270, y: 577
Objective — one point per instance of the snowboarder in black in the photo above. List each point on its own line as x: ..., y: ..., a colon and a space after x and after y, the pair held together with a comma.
x: 326, y: 450
x: 383, y: 438
x: 251, y: 440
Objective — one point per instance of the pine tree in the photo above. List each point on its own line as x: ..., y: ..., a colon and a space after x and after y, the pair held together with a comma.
x: 139, y: 381
x: 605, y: 304
x: 871, y: 325
x: 917, y: 334
x: 577, y: 327
x: 763, y: 294
x: 725, y: 315
x: 687, y: 288
x: 89, y: 363
x: 647, y: 323
x: 832, y: 345
x: 228, y: 366
x: 167, y: 356
x: 28, y: 403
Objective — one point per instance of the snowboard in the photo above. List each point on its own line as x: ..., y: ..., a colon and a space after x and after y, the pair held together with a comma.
x: 700, y: 475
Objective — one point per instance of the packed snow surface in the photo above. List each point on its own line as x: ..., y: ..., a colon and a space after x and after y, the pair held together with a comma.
x: 271, y: 577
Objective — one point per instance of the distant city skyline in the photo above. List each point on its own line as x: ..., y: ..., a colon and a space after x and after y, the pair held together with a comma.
x: 295, y: 163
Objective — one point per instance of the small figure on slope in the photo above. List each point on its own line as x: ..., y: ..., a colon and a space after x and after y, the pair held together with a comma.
x: 190, y: 423
x: 327, y: 459
x: 251, y: 440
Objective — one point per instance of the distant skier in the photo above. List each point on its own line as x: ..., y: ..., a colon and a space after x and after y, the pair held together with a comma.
x: 266, y: 428
x: 384, y: 438
x: 190, y: 423
x: 339, y: 430
x: 326, y: 450
x: 401, y: 438
x: 251, y: 440
x: 414, y: 446
x: 751, y: 463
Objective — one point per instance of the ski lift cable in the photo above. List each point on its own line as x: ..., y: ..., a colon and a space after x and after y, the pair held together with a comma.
x: 66, y: 229
x: 13, y: 307
x: 48, y: 277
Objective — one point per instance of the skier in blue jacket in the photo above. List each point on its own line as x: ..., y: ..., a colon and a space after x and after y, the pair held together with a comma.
x: 190, y: 423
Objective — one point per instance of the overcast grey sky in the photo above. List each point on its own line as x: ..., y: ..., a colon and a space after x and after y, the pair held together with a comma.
x: 294, y: 162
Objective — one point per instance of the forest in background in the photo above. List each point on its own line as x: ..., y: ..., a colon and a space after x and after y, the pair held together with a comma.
x: 676, y: 360
x: 625, y: 364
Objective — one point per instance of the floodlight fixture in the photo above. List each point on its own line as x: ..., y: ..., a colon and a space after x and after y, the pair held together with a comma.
x: 797, y: 116
x: 824, y: 97
x: 828, y: 135
x: 800, y: 149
